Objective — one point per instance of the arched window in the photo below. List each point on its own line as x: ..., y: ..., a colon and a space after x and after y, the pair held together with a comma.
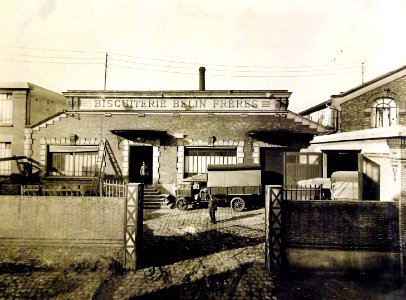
x: 383, y: 113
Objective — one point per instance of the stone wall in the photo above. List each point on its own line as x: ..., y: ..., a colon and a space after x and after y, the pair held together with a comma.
x: 61, y: 231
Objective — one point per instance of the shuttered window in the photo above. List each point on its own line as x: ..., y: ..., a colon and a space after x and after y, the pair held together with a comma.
x: 6, y: 111
x: 81, y: 164
x: 5, y: 151
x: 197, y: 159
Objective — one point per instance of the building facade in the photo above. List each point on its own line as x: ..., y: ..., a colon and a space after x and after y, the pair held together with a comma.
x: 369, y: 134
x: 176, y: 133
x: 22, y: 105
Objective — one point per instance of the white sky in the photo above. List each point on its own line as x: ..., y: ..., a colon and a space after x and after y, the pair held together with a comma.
x: 311, y: 48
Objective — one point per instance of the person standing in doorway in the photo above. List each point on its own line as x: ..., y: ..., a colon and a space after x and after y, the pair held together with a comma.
x: 212, y: 209
x: 144, y: 172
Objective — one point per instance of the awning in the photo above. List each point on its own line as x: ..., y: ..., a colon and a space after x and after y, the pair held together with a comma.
x: 282, y: 137
x: 134, y: 134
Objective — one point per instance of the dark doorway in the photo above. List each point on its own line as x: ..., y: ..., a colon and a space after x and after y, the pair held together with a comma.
x: 272, y: 166
x: 345, y: 160
x: 139, y: 154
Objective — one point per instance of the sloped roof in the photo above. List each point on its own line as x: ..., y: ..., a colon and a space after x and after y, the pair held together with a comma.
x: 400, y: 72
x: 388, y: 74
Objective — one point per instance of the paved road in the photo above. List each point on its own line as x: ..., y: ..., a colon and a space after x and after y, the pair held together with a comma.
x: 187, y: 257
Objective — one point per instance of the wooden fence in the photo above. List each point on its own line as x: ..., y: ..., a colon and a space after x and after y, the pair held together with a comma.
x: 112, y: 188
x: 53, y: 189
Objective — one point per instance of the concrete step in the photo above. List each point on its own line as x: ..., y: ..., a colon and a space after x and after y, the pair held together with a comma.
x: 153, y: 199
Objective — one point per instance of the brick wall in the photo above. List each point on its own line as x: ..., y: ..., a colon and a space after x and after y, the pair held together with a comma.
x: 61, y: 230
x: 342, y: 225
x: 16, y: 131
x: 355, y: 113
x: 193, y: 127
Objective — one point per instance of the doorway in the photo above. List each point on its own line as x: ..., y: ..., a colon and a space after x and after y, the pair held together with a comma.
x: 341, y: 160
x: 272, y: 162
x: 272, y: 166
x: 138, y: 155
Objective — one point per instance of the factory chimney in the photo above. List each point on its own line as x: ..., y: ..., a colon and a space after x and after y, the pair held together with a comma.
x: 202, y: 87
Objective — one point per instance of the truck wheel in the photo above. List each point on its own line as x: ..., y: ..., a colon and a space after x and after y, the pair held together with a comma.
x: 181, y: 204
x: 237, y: 204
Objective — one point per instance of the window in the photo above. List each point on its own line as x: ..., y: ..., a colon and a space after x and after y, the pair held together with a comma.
x: 5, y: 151
x: 384, y: 113
x: 5, y: 109
x: 197, y: 159
x: 81, y: 164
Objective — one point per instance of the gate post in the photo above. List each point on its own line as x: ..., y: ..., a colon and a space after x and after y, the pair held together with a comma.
x: 133, y: 224
x: 273, y: 228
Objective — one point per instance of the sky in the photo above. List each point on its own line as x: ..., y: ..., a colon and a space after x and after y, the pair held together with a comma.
x: 313, y: 49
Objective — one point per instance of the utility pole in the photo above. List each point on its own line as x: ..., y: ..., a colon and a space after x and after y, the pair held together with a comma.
x: 105, y: 71
x: 362, y: 71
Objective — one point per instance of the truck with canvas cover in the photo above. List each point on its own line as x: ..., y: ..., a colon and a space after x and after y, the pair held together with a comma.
x: 237, y: 184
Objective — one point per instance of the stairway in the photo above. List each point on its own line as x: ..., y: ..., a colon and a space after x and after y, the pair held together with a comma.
x: 153, y: 198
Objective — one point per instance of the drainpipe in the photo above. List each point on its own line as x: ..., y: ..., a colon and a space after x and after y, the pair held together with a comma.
x: 335, y: 130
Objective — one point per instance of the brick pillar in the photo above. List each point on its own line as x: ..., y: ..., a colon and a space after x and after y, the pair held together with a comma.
x: 397, y: 148
x: 398, y: 156
x: 273, y: 228
x: 133, y: 227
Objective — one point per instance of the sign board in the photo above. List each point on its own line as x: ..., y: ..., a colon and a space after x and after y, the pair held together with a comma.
x: 190, y: 104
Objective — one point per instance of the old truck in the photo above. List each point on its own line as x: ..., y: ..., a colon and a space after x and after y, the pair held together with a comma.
x: 238, y: 185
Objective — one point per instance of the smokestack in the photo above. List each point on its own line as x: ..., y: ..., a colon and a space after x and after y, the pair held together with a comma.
x: 202, y: 87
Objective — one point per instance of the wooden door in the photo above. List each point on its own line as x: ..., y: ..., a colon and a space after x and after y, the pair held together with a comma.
x: 300, y: 166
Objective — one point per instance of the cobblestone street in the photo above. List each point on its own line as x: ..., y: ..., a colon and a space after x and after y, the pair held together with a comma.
x: 186, y: 257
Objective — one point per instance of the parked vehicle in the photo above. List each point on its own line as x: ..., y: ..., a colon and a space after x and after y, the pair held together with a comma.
x: 238, y: 185
x: 343, y: 185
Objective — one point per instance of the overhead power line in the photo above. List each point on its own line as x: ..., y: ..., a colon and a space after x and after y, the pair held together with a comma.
x: 233, y: 70
x: 231, y: 75
x: 57, y: 57
x: 54, y: 62
x: 52, y: 50
x: 177, y: 67
x: 234, y: 66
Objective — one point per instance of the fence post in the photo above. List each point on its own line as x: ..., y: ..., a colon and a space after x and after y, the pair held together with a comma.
x: 101, y: 187
x: 133, y: 224
x: 273, y: 228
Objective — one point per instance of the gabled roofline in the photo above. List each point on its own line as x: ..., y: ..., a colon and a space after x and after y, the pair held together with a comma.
x: 338, y: 99
x: 315, y: 108
x: 375, y: 80
x: 368, y: 86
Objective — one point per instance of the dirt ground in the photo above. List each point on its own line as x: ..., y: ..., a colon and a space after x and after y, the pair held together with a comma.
x: 304, y: 285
